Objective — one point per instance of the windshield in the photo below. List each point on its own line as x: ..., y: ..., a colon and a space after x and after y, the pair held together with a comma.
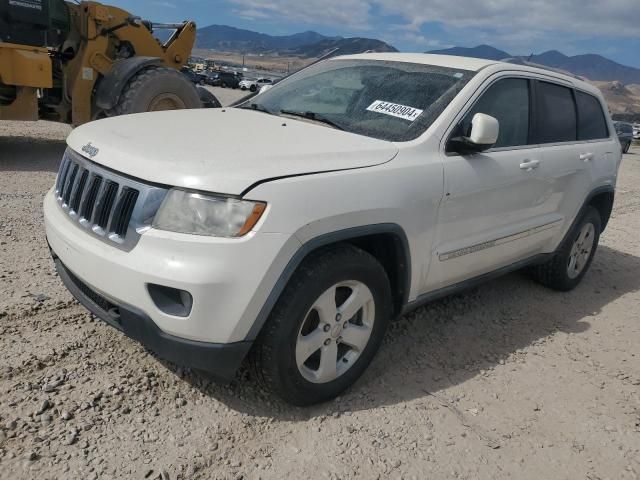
x: 386, y: 100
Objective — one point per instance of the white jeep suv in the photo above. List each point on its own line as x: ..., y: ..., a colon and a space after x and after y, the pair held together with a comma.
x: 373, y: 184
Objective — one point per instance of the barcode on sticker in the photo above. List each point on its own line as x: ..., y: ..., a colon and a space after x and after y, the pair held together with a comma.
x: 395, y: 110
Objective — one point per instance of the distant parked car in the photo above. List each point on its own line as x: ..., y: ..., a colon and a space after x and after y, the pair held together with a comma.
x: 196, y: 78
x: 625, y: 133
x: 224, y: 79
x: 255, y: 85
x: 636, y: 131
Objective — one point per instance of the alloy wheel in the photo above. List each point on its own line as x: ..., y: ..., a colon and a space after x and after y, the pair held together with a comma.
x: 581, y: 250
x: 335, y: 331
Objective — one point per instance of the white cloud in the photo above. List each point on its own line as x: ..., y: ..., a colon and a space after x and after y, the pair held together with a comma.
x: 521, y: 20
x: 164, y: 4
x: 353, y: 14
x: 515, y: 24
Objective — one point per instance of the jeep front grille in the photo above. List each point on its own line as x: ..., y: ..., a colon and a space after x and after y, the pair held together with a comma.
x: 112, y: 207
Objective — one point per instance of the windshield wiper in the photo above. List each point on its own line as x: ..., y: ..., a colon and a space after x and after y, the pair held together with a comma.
x: 258, y: 108
x: 314, y: 117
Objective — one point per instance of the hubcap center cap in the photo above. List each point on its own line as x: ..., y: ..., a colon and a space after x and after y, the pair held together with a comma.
x: 336, y: 331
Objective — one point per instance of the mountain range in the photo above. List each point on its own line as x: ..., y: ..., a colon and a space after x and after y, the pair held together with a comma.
x: 591, y: 66
x: 312, y: 44
x: 306, y: 44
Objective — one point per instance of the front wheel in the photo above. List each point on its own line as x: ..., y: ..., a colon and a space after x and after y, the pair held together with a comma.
x: 326, y: 328
x: 155, y: 89
x: 568, y: 266
x: 627, y: 147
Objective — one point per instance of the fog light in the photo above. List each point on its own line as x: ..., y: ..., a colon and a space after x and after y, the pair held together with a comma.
x: 174, y: 302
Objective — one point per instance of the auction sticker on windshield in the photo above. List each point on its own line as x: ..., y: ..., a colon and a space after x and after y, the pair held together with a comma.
x: 395, y: 110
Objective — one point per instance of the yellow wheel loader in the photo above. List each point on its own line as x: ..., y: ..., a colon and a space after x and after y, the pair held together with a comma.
x: 76, y: 62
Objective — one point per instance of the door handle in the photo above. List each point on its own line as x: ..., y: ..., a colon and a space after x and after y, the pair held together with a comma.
x: 529, y: 165
x: 586, y: 157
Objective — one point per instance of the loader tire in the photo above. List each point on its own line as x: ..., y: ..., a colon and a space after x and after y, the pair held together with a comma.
x: 155, y: 89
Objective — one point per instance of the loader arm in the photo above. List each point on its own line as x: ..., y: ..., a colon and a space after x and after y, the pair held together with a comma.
x: 100, y: 29
x: 76, y: 61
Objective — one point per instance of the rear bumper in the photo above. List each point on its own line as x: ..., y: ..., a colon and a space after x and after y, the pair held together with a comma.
x: 220, y: 360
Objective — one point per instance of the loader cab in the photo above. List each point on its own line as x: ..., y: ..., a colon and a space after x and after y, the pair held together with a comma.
x: 43, y: 23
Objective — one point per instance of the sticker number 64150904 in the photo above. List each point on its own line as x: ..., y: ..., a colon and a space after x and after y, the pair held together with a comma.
x: 395, y: 110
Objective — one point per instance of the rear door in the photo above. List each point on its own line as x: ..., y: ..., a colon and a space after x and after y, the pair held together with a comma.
x: 491, y: 216
x: 576, y: 148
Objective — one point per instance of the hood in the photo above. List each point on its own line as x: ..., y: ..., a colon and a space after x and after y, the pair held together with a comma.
x: 222, y: 150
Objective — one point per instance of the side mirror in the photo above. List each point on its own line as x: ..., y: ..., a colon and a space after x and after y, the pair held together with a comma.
x: 483, y: 135
x: 264, y: 88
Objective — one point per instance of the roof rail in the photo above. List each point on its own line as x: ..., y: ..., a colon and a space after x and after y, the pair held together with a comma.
x: 522, y: 61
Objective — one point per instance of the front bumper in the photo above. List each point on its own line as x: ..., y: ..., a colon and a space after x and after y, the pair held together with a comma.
x: 229, y: 279
x: 220, y: 360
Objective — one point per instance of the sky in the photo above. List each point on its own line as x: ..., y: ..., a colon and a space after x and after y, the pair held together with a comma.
x: 607, y: 27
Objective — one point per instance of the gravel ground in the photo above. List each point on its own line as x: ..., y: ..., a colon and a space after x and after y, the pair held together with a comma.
x: 508, y: 380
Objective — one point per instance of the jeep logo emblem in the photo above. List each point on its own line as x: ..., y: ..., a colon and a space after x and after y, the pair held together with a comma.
x: 90, y: 150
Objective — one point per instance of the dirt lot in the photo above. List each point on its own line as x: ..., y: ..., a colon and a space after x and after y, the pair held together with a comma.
x: 509, y: 380
x: 226, y: 96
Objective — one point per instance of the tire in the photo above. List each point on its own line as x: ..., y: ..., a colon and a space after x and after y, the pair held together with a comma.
x: 208, y: 99
x: 224, y: 85
x: 155, y: 89
x: 253, y: 88
x: 558, y: 273
x: 627, y: 147
x: 274, y: 356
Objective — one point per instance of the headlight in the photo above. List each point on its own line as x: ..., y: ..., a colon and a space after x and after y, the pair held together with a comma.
x: 199, y: 214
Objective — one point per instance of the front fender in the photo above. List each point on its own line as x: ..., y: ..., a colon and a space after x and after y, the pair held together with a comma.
x: 324, y: 240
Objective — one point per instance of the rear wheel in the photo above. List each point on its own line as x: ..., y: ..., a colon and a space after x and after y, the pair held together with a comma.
x: 253, y: 88
x: 565, y: 270
x: 156, y: 89
x: 627, y: 147
x: 326, y: 328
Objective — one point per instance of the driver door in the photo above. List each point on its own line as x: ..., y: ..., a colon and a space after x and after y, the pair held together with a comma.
x: 493, y: 212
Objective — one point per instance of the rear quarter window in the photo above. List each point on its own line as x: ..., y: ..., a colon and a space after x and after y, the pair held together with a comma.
x: 592, y: 124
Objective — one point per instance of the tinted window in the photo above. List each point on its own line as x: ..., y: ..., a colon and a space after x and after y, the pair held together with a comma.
x: 556, y: 114
x: 591, y: 121
x: 507, y: 101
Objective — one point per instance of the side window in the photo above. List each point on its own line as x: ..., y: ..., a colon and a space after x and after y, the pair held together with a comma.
x: 592, y: 124
x: 508, y: 101
x: 556, y: 113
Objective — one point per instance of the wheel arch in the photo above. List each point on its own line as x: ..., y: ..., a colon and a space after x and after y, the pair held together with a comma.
x: 602, y: 200
x: 110, y: 87
x: 386, y: 242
